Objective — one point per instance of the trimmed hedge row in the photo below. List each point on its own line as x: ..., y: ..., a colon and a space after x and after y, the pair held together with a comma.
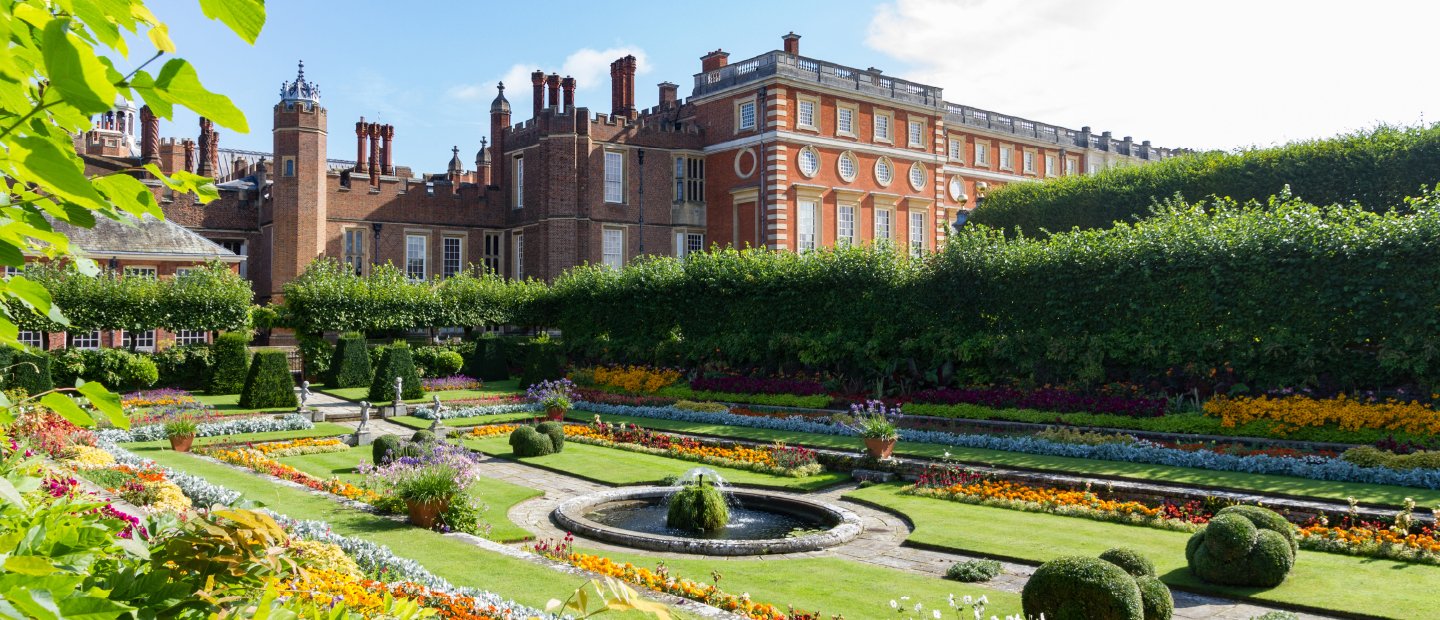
x: 1377, y: 169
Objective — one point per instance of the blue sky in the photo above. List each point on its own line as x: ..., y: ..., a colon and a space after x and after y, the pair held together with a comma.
x: 1221, y: 74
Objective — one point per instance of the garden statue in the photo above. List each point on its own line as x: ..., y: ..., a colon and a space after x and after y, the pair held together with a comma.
x: 364, y: 417
x: 399, y: 390
x: 435, y: 423
x: 304, y: 395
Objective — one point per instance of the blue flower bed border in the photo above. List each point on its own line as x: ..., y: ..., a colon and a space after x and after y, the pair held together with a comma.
x: 1312, y: 467
x: 447, y: 413
x: 260, y: 424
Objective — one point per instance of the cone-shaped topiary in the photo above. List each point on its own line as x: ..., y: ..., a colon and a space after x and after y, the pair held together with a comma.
x: 487, y: 362
x: 1243, y: 546
x: 350, y: 366
x: 232, y: 363
x: 1081, y: 588
x: 269, y: 383
x: 698, y: 507
x: 555, y: 431
x: 395, y: 361
x: 543, y: 362
x: 384, y: 447
x: 525, y: 442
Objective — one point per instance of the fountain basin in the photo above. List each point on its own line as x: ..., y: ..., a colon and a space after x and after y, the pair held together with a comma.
x: 635, y: 517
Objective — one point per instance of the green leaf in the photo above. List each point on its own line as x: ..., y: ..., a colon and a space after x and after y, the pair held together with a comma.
x: 66, y: 407
x: 179, y: 84
x: 245, y: 17
x: 145, y: 85
x: 92, y: 608
x: 10, y: 494
x: 41, y: 161
x: 32, y: 565
x: 76, y: 73
x: 107, y: 402
x: 35, y: 296
x: 129, y: 194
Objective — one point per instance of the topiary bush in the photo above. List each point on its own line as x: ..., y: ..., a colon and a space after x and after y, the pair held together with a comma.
x: 28, y: 370
x: 350, y: 366
x: 972, y: 571
x: 383, y: 448
x: 1243, y: 546
x: 1155, y: 598
x: 544, y: 361
x: 698, y: 508
x: 1130, y: 560
x: 232, y: 363
x: 269, y: 384
x: 395, y: 361
x: 423, y: 436
x: 447, y: 363
x: 487, y: 362
x: 526, y: 442
x: 1082, y: 588
x: 555, y: 431
x: 187, y: 366
x: 117, y: 369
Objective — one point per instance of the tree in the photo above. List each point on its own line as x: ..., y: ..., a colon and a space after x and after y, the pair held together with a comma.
x: 58, y: 69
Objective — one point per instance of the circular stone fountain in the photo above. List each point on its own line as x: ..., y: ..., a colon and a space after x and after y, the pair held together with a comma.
x: 761, y: 522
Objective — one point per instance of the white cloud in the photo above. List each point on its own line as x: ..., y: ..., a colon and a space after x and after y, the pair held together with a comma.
x: 590, y: 68
x: 1219, y: 74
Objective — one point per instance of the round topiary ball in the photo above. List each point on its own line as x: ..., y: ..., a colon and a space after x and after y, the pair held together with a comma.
x: 1081, y: 588
x: 525, y: 441
x: 423, y: 436
x: 1155, y: 599
x: 1130, y: 560
x: 383, y: 448
x: 555, y: 431
x: 1243, y: 546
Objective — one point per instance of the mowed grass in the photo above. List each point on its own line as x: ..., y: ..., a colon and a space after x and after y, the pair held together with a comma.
x: 622, y: 467
x: 1260, y: 483
x: 229, y: 404
x: 499, y: 496
x: 1319, y: 580
x: 831, y: 586
x: 461, y: 564
x: 321, y: 429
x: 491, y: 390
x: 501, y: 418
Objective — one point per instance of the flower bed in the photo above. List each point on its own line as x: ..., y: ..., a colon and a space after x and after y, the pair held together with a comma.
x: 367, y: 596
x: 609, y: 398
x: 1312, y: 467
x: 1045, y: 399
x: 1374, y: 540
x: 642, y: 379
x: 475, y: 411
x: 254, y: 460
x: 158, y: 398
x: 1291, y: 413
x: 259, y: 424
x: 296, y: 447
x: 146, y: 487
x: 660, y: 580
x: 452, y: 382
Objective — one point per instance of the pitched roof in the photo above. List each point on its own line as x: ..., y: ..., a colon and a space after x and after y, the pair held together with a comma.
x: 144, y: 236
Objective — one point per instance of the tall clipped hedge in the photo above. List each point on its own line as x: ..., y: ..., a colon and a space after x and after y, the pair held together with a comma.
x: 269, y: 383
x: 350, y: 367
x: 232, y: 363
x: 1377, y: 169
x: 395, y: 361
x: 206, y: 298
x: 1282, y: 294
x: 488, y: 361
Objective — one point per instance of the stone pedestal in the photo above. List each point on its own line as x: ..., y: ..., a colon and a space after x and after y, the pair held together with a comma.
x: 364, y: 438
x: 393, y: 411
x: 317, y: 415
x: 870, y: 475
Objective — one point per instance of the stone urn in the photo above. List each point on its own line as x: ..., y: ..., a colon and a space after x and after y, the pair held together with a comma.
x: 425, y: 514
x: 181, y: 443
x: 880, y: 448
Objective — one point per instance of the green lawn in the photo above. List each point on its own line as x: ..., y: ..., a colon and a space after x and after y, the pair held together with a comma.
x: 462, y: 564
x: 229, y: 404
x: 1282, y: 485
x: 498, y: 495
x: 322, y: 429
x: 622, y: 467
x: 831, y: 585
x: 491, y: 389
x: 1324, y: 580
x: 419, y: 423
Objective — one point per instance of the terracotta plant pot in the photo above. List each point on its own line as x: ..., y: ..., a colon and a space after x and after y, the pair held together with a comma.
x: 181, y: 443
x: 555, y: 414
x: 425, y: 514
x: 879, y: 448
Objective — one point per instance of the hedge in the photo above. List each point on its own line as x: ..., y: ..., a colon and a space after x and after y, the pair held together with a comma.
x: 487, y: 361
x: 206, y: 298
x: 1376, y: 169
x: 350, y: 366
x: 117, y: 369
x: 232, y: 363
x: 269, y: 384
x: 27, y: 370
x: 395, y: 361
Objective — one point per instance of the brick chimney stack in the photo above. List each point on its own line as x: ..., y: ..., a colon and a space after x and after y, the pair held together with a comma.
x: 388, y: 133
x: 552, y: 88
x: 568, y: 86
x: 207, y: 157
x: 714, y: 60
x: 622, y: 87
x: 792, y: 43
x: 669, y: 94
x: 149, y: 136
x: 189, y: 154
x: 360, y: 145
x: 373, y: 131
x: 537, y: 78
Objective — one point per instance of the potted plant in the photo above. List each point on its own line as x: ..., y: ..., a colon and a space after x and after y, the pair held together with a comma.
x: 427, y: 491
x: 875, y: 424
x: 181, y: 432
x: 428, y: 483
x: 552, y: 396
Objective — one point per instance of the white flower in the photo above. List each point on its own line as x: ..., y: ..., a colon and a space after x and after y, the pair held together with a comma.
x: 967, y: 600
x: 935, y: 613
x: 917, y: 607
x: 894, y: 605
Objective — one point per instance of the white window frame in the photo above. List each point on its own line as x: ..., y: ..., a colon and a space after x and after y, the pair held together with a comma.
x: 885, y: 164
x: 1092, y: 169
x: 811, y: 168
x: 494, y: 252
x: 847, y: 156
x: 845, y: 224
x: 411, y: 257
x: 918, y: 167
x: 917, y: 233
x: 140, y: 272
x: 144, y: 340
x: 191, y: 336
x: 915, y: 134
x: 1071, y: 165
x: 31, y: 338
x: 614, y: 179
x: 740, y: 107
x: 448, y: 267
x: 955, y: 188
x: 519, y: 261
x: 1007, y: 158
x: 89, y: 341
x: 1027, y: 162
x: 519, y: 172
x: 888, y: 228
x: 842, y: 129
x: 801, y: 101
x: 883, y: 132
x: 956, y: 150
x: 687, y: 243
x: 982, y: 154
x: 352, y: 242
x: 1051, y: 169
x: 612, y: 247
x: 807, y: 212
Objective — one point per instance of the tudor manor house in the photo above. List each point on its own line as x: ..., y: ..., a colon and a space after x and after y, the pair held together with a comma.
x: 779, y: 150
